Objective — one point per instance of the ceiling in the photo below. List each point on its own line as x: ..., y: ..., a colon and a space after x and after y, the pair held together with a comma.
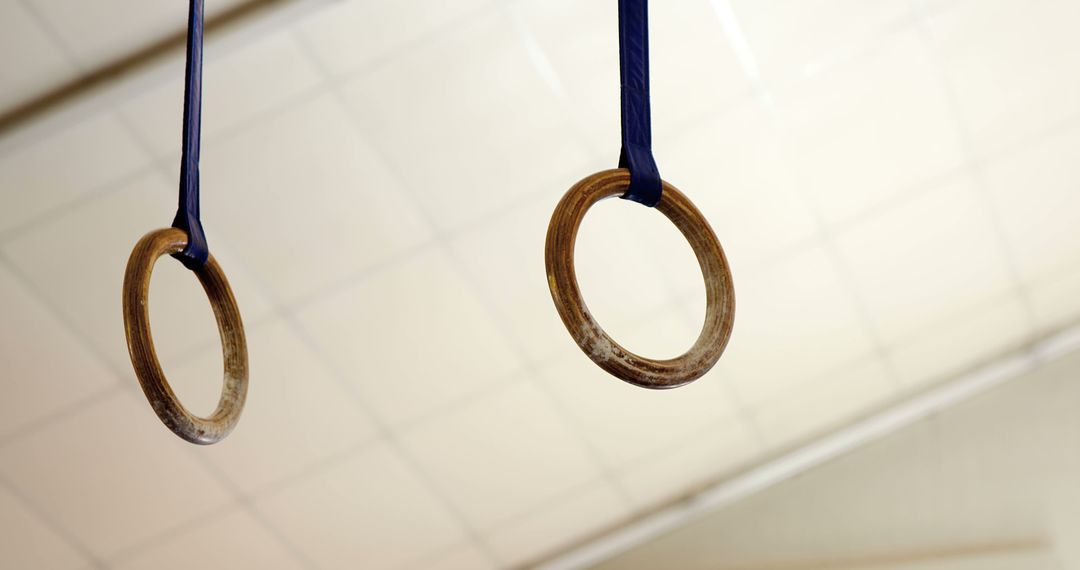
x: 894, y: 182
x: 989, y: 484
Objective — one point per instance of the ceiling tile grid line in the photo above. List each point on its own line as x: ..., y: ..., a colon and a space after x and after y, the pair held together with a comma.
x: 385, y: 434
x: 428, y: 37
x: 825, y: 237
x: 170, y: 159
x: 287, y: 309
x: 179, y: 529
x: 976, y: 171
x: 125, y: 384
x: 441, y: 237
x: 242, y: 499
x: 53, y: 34
x: 905, y: 197
x: 742, y: 411
x: 127, y: 387
x: 91, y: 195
x: 53, y: 525
x: 257, y: 118
x: 59, y: 315
x: 767, y: 87
x: 246, y: 504
x: 390, y: 437
x: 439, y: 31
x: 509, y: 522
x: 852, y: 362
x: 881, y: 350
x: 917, y: 190
x: 543, y: 67
x: 388, y: 55
x: 29, y: 428
x: 522, y: 355
x: 94, y: 170
x: 23, y: 78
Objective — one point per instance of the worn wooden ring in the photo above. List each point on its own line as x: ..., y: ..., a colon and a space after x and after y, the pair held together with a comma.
x: 605, y: 352
x: 144, y: 358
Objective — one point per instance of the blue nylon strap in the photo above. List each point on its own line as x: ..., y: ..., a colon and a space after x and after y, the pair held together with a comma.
x: 636, y: 155
x: 196, y: 253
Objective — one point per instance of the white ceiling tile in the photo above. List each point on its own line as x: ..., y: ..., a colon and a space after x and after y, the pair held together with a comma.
x: 919, y: 262
x: 308, y: 174
x: 584, y: 59
x: 475, y: 117
x: 732, y: 167
x: 488, y: 133
x: 26, y: 542
x: 558, y: 524
x: 502, y: 455
x: 49, y: 173
x: 100, y: 32
x: 953, y: 345
x: 1008, y: 62
x: 44, y: 366
x: 370, y: 510
x: 135, y: 479
x: 239, y: 85
x: 926, y: 8
x: 466, y: 556
x: 788, y: 40
x: 826, y: 402
x: 697, y: 460
x: 1054, y: 301
x: 799, y: 308
x: 631, y: 262
x: 433, y: 343
x: 234, y: 540
x: 288, y: 425
x: 350, y: 34
x: 1037, y: 196
x: 85, y: 287
x: 505, y: 257
x: 866, y: 131
x: 40, y: 66
x: 681, y: 32
x: 624, y: 422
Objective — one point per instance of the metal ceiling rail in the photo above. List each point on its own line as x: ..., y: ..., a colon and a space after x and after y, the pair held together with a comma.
x: 95, y: 89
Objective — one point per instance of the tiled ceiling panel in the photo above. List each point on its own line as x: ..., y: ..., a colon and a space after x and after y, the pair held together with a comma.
x: 895, y: 184
x: 97, y: 33
x: 23, y: 77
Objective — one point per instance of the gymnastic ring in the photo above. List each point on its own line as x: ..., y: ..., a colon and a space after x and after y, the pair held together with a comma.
x: 605, y: 352
x: 144, y: 358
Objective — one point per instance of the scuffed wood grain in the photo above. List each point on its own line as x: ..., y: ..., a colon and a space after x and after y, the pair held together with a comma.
x: 589, y: 335
x: 136, y: 294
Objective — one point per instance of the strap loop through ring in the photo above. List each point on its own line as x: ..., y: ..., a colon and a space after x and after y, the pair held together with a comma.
x: 144, y: 358
x: 601, y: 348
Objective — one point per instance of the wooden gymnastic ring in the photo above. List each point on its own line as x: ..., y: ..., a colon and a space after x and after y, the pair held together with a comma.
x: 605, y: 352
x: 140, y: 343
